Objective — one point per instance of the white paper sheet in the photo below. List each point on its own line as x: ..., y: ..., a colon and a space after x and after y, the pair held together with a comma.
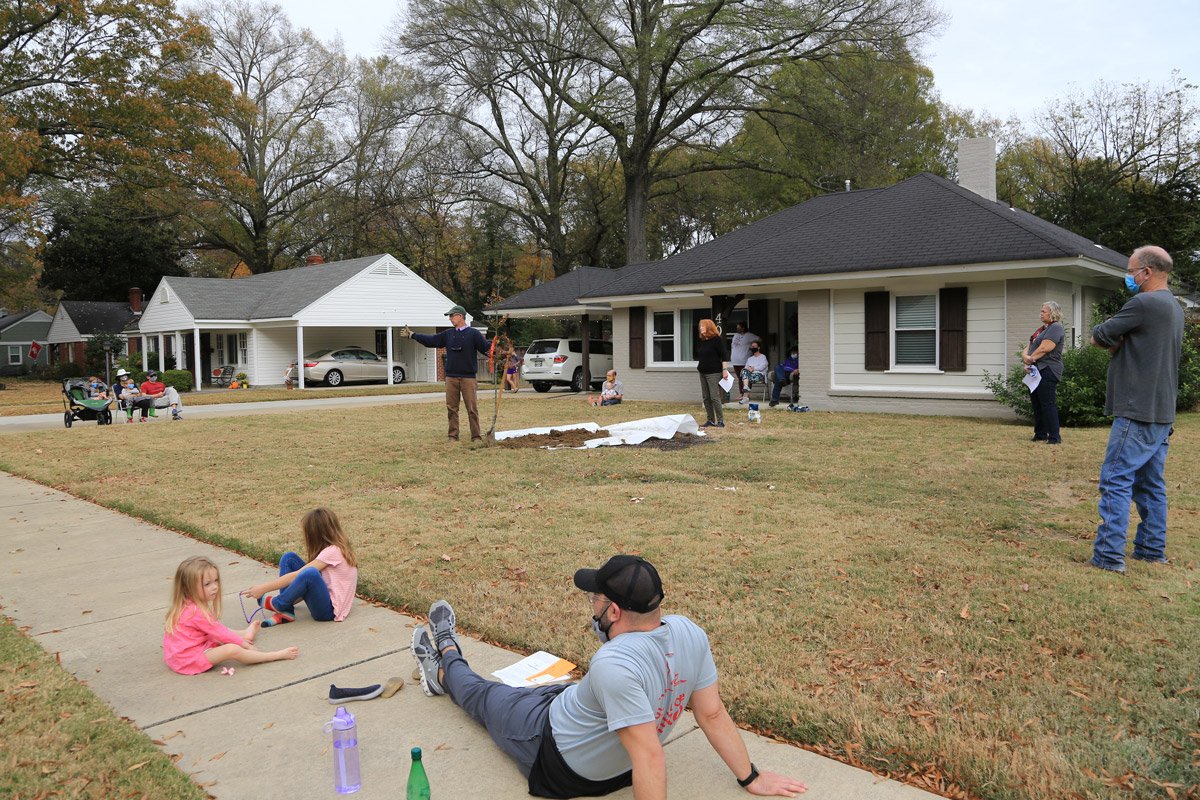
x: 536, y: 670
x: 1032, y: 378
x: 726, y: 383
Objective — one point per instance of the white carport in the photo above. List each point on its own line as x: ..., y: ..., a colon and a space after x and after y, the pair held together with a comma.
x: 263, y: 323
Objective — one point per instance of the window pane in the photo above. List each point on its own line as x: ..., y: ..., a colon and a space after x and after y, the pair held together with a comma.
x: 689, y: 319
x: 664, y: 323
x: 916, y: 312
x: 916, y: 347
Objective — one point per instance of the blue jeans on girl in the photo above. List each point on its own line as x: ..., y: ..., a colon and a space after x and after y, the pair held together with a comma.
x: 307, y: 587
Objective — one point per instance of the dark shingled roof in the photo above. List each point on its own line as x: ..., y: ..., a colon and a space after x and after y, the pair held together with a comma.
x: 920, y: 222
x: 12, y: 319
x: 562, y: 291
x: 92, y: 316
x: 266, y: 296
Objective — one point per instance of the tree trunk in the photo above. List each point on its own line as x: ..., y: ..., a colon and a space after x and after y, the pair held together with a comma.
x: 637, y: 194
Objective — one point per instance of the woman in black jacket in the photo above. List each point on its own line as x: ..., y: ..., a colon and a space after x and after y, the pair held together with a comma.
x: 712, y: 362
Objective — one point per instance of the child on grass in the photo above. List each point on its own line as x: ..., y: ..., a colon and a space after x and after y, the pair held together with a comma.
x: 195, y: 640
x: 325, y: 584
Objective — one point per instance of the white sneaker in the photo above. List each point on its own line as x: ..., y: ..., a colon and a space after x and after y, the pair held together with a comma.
x: 744, y: 400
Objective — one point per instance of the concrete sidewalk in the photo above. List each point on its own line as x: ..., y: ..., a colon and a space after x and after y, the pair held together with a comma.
x: 54, y: 421
x: 93, y: 585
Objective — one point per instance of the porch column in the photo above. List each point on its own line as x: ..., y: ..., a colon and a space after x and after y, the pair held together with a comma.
x: 389, y: 354
x: 196, y: 354
x: 145, y: 353
x: 300, y: 354
x: 162, y: 345
x: 587, y: 352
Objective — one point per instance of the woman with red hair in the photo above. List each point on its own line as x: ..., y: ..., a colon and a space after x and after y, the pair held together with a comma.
x: 712, y: 362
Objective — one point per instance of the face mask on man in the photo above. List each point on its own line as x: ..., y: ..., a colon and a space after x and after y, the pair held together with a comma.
x: 599, y: 628
x: 1130, y: 283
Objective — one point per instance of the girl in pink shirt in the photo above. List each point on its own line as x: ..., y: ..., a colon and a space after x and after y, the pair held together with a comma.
x: 195, y: 640
x: 325, y: 584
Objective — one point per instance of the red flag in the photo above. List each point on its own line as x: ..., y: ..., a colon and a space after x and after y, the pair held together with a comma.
x: 34, y: 350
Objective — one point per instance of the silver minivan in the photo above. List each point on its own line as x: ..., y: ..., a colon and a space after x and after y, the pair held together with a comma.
x: 559, y: 362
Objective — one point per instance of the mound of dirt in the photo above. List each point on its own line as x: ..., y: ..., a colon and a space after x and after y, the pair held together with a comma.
x: 555, y: 438
x: 576, y: 438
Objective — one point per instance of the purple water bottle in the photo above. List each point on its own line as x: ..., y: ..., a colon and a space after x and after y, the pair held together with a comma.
x: 345, y: 752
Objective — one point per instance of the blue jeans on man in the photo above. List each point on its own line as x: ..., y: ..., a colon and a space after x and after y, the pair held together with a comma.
x: 782, y: 375
x: 1133, y: 472
x: 307, y: 587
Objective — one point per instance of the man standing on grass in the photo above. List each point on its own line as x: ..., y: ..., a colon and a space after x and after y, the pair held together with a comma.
x: 1146, y: 339
x: 605, y: 732
x: 461, y: 342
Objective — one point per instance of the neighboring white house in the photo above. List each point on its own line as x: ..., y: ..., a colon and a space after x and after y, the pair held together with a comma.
x: 898, y: 299
x: 263, y: 323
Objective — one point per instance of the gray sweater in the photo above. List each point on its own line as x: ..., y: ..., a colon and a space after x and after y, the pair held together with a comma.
x: 1143, y: 377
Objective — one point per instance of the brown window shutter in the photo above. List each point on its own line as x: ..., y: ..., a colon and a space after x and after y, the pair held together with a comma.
x: 878, y: 336
x: 952, y: 329
x: 637, y: 337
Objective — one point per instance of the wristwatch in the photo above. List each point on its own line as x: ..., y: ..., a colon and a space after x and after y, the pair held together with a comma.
x: 751, y: 778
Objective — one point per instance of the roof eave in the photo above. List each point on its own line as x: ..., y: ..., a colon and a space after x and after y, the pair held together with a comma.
x: 549, y: 311
x: 975, y: 270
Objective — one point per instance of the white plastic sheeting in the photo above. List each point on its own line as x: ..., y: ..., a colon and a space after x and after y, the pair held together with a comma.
x: 635, y: 432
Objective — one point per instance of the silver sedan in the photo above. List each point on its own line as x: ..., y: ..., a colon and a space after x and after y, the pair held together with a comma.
x: 348, y: 364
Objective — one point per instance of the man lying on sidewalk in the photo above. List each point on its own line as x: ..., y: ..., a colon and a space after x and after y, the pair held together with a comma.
x: 606, y: 732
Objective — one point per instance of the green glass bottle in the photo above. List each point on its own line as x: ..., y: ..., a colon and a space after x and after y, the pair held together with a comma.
x: 418, y: 784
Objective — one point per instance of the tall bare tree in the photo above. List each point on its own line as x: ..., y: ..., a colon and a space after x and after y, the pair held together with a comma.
x: 656, y: 76
x: 288, y: 124
x: 516, y: 130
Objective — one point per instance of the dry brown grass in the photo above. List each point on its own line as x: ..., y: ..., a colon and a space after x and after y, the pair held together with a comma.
x: 58, y: 734
x: 901, y: 592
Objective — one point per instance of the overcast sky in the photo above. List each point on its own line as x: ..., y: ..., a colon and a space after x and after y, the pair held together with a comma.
x: 1006, y: 57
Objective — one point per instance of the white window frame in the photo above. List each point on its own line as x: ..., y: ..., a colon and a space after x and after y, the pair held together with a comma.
x: 675, y: 337
x: 220, y: 337
x: 243, y: 349
x: 15, y: 349
x: 937, y: 322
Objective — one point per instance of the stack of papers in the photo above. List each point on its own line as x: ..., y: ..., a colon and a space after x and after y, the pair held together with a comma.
x: 536, y: 670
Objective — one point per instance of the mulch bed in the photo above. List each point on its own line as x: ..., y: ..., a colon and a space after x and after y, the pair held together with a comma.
x: 576, y: 438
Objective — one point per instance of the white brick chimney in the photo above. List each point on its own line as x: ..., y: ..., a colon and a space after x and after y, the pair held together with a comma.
x: 977, y: 166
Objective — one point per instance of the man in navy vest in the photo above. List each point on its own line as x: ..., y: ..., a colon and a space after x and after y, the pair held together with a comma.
x: 461, y: 343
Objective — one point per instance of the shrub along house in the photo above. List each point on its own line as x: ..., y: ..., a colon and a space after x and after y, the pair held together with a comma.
x: 897, y: 298
x: 262, y: 323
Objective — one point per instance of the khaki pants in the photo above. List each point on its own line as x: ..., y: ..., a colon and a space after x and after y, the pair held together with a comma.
x: 461, y: 388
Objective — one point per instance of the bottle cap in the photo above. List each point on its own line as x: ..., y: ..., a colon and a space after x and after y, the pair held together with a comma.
x: 416, y: 754
x: 343, y: 720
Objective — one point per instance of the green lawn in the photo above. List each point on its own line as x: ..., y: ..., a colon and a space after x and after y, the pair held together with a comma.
x: 903, y: 593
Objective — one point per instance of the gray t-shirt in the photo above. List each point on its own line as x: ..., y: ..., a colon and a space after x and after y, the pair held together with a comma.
x: 1143, y: 377
x: 637, y: 677
x: 1053, y: 360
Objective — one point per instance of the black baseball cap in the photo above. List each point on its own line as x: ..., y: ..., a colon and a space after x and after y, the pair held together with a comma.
x: 631, y: 582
